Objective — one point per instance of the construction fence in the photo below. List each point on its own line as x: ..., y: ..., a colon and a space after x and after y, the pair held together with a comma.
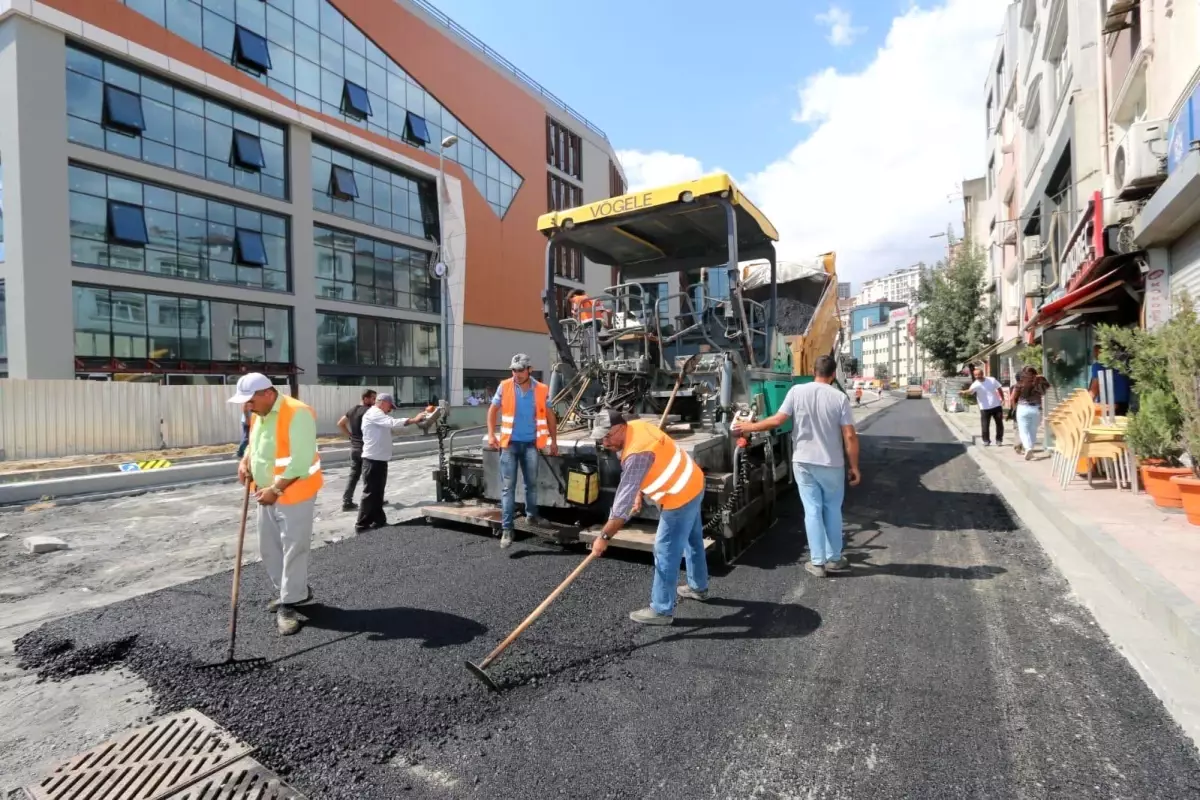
x: 51, y: 419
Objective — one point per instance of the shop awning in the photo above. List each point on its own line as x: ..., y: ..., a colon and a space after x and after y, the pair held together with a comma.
x: 1056, y: 310
x: 982, y: 354
x: 1009, y: 346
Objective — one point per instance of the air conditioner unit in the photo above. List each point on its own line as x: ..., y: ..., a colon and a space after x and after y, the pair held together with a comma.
x: 1031, y: 248
x: 1031, y: 282
x: 1140, y: 158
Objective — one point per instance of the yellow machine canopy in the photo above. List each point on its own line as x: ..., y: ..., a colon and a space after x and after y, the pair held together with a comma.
x: 675, y: 228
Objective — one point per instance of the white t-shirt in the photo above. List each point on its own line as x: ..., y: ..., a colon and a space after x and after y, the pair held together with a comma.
x: 987, y: 392
x: 377, y: 430
x: 819, y: 412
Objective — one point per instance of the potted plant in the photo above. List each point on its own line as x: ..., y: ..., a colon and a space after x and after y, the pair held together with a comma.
x: 1182, y: 342
x: 1155, y: 429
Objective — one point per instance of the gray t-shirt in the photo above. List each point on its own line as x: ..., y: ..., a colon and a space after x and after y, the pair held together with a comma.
x: 818, y: 412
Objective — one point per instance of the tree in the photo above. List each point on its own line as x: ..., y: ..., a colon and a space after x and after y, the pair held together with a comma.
x: 955, y: 322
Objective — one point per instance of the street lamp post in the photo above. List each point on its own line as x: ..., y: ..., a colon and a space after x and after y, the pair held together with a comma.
x: 442, y: 272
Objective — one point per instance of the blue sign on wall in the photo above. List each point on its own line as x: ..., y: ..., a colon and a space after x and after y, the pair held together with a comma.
x: 1182, y: 131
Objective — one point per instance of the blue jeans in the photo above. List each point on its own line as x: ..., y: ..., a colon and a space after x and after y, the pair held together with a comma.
x: 821, y: 491
x: 680, y: 534
x: 1028, y: 419
x: 241, y: 451
x: 525, y: 455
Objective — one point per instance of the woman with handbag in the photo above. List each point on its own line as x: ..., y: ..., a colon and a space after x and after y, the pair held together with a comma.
x: 1027, y: 408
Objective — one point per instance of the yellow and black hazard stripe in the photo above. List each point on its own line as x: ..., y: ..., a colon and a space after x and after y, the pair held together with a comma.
x: 154, y: 464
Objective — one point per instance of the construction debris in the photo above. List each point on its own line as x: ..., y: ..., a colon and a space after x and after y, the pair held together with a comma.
x: 44, y: 544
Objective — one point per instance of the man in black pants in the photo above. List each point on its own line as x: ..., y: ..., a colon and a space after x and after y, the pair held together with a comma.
x: 351, y: 425
x: 990, y: 395
x: 377, y: 429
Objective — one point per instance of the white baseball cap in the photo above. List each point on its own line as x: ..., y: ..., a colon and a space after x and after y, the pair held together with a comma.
x: 248, y: 384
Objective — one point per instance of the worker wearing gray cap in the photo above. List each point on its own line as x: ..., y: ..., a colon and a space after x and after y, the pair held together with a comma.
x: 527, y: 424
x: 654, y: 466
x: 377, y: 427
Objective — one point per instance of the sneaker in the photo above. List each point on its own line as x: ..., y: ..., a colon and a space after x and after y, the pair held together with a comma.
x: 987, y: 444
x: 815, y: 569
x: 1019, y: 449
x: 1029, y: 455
x: 648, y: 616
x: 839, y: 567
x: 287, y: 621
x: 349, y: 505
x: 686, y: 592
x: 537, y: 522
x: 274, y: 605
x: 506, y: 539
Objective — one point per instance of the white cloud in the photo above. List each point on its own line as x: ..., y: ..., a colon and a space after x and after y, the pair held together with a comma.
x: 660, y: 168
x: 886, y: 148
x: 841, y: 31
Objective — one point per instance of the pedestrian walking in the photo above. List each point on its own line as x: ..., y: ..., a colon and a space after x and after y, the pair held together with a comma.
x: 654, y: 466
x: 1026, y: 398
x: 377, y: 428
x: 990, y: 396
x: 526, y: 425
x: 823, y: 438
x: 283, y: 463
x: 351, y: 425
x: 246, y: 415
x: 858, y: 396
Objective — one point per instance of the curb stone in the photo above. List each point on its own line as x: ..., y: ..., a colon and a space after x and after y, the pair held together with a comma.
x: 1173, y: 615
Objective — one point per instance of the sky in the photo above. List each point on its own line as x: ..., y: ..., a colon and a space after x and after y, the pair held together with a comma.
x: 851, y: 124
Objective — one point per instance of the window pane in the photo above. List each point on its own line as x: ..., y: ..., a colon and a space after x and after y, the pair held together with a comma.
x: 126, y: 224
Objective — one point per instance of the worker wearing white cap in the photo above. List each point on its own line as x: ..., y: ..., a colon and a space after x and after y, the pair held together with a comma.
x: 283, y: 463
x: 377, y: 427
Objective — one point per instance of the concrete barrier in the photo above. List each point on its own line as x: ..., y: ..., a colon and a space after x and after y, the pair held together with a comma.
x: 110, y: 482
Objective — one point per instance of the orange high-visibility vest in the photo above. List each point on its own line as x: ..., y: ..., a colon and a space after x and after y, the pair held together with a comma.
x: 508, y: 411
x: 674, y: 480
x: 583, y: 307
x: 303, y: 488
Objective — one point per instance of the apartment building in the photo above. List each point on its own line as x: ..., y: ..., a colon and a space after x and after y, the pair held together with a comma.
x: 332, y: 191
x: 898, y: 286
x: 1002, y: 206
x: 1154, y: 65
x: 844, y: 290
x: 888, y: 348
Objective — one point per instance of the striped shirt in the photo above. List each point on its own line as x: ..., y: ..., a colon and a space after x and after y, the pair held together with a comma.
x: 633, y: 472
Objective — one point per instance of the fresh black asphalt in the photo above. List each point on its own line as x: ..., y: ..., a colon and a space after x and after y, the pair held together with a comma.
x: 951, y: 664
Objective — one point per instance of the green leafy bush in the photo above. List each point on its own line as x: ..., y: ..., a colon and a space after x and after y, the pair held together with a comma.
x: 1181, y: 342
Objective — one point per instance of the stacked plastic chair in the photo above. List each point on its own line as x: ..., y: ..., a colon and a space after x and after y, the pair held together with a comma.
x: 1083, y: 429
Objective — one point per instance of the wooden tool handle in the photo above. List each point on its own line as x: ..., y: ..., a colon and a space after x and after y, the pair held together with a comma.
x: 237, y: 569
x: 537, y: 612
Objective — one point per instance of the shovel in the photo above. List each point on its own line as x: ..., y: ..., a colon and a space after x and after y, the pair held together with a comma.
x: 684, y: 370
x: 230, y: 661
x: 480, y: 670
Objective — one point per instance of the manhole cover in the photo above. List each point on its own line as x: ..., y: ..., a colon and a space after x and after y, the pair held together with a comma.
x: 243, y: 780
x: 156, y: 762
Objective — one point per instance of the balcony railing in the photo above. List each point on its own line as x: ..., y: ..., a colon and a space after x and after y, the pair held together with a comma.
x: 475, y: 42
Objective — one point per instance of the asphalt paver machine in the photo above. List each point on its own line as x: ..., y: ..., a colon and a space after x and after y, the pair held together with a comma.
x: 677, y: 341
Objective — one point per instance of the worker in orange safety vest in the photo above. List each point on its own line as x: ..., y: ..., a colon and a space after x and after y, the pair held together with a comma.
x: 283, y: 463
x: 527, y: 425
x: 653, y: 465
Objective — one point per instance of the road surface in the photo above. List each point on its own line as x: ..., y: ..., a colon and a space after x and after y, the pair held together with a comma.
x: 952, y: 663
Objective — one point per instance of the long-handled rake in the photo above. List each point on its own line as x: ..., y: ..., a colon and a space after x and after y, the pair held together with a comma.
x: 230, y: 662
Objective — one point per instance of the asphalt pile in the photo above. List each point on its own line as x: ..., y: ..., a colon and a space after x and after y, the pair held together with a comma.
x: 792, y: 317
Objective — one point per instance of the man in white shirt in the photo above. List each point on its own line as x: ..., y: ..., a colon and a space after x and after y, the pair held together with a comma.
x: 377, y: 429
x: 990, y: 396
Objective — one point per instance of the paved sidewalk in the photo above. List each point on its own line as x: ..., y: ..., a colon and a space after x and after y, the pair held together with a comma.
x: 1149, y: 556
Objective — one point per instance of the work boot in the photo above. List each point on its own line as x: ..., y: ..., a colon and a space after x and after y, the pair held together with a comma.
x: 537, y: 522
x: 648, y: 616
x: 287, y: 621
x: 815, y: 569
x: 686, y: 592
x: 839, y: 567
x: 273, y: 606
x: 349, y: 505
x: 506, y: 539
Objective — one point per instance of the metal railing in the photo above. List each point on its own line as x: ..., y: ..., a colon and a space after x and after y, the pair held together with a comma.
x: 475, y: 42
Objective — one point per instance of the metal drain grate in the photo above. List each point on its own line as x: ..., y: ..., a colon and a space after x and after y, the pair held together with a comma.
x: 243, y: 780
x: 149, y: 763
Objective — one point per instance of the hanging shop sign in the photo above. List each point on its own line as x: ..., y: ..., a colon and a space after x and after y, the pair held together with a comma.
x: 1084, y: 246
x: 1156, y: 304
